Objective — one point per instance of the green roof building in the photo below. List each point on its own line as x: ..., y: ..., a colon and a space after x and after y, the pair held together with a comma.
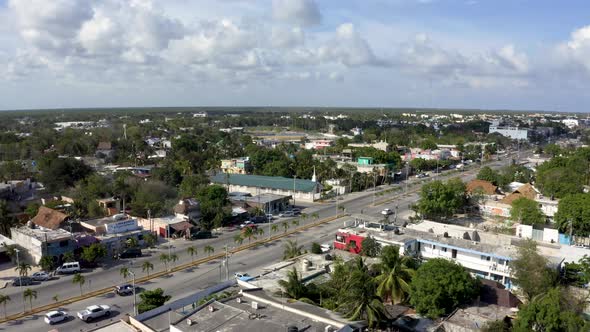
x: 300, y: 189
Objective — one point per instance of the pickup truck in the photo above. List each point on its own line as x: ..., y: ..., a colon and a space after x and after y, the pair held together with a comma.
x: 94, y: 311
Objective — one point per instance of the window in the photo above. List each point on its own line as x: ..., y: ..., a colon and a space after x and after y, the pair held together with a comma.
x: 340, y: 238
x: 64, y: 243
x: 485, y: 258
x: 444, y: 249
x: 433, y: 247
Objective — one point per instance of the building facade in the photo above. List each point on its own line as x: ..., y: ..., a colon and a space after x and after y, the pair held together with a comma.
x: 512, y: 132
x: 298, y: 189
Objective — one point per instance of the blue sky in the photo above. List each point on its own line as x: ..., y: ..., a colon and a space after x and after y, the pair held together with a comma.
x: 497, y: 54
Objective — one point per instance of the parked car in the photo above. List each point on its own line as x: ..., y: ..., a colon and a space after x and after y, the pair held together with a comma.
x: 296, y: 211
x: 55, y: 316
x: 326, y: 247
x: 250, y: 225
x: 126, y: 289
x: 69, y: 267
x: 201, y: 235
x: 41, y: 276
x: 259, y: 219
x: 246, y: 223
x: 242, y: 275
x: 22, y: 281
x: 130, y: 253
x: 93, y: 312
x: 386, y: 212
x: 269, y: 217
x: 285, y: 214
x: 421, y: 175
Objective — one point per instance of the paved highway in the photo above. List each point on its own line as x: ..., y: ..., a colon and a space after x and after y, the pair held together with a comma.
x: 203, y: 276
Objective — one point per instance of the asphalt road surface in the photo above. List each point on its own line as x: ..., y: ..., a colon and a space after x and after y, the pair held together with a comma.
x: 188, y: 281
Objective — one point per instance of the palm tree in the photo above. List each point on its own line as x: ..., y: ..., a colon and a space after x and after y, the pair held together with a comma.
x: 315, y: 216
x: 150, y: 239
x: 164, y: 258
x: 146, y: 267
x: 295, y: 222
x: 294, y: 287
x: 292, y: 249
x: 132, y: 242
x: 341, y: 208
x: 274, y: 228
x: 359, y: 299
x: 285, y: 226
x: 30, y: 294
x: 260, y: 232
x: 80, y: 280
x: 124, y: 271
x: 248, y: 233
x: 23, y: 269
x: 238, y: 239
x: 4, y: 299
x: 396, y: 274
x: 304, y: 217
x: 192, y: 250
x: 209, y: 250
x: 55, y: 298
x: 174, y: 258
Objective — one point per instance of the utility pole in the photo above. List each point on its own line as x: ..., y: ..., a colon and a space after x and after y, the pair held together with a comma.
x: 407, y: 174
x: 149, y: 215
x: 134, y: 297
x: 374, y: 187
x: 226, y: 263
x: 294, y: 176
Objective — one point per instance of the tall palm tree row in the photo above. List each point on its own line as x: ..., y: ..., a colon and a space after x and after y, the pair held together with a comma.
x: 29, y: 294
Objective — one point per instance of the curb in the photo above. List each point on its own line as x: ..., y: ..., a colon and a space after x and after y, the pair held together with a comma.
x: 159, y: 274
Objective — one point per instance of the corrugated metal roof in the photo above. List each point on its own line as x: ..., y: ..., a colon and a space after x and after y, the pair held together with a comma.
x: 261, y: 181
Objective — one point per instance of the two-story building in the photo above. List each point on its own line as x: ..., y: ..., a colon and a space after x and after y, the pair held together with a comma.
x: 236, y: 165
x: 485, y: 260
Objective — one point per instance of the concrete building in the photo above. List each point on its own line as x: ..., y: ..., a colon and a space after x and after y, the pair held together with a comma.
x: 511, y: 132
x: 249, y: 308
x: 318, y: 144
x: 236, y: 166
x: 383, y: 146
x: 269, y: 203
x: 38, y: 242
x: 298, y: 189
x: 488, y: 260
x: 169, y: 226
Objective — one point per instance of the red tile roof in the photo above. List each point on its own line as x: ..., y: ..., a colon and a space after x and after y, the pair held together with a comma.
x: 49, y: 218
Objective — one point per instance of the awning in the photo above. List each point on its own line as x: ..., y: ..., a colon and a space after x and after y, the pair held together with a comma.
x: 181, y: 226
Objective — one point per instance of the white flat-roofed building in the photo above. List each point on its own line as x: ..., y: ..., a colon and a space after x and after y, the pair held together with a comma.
x: 511, y: 132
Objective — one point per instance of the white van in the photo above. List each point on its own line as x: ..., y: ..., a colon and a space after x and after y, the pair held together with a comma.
x: 69, y: 267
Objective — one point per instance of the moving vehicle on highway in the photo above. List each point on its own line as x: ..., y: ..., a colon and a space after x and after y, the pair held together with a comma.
x: 386, y: 211
x: 55, y: 316
x: 93, y: 312
x: 122, y: 290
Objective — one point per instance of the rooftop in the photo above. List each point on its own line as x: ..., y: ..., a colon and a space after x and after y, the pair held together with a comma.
x: 44, y: 235
x: 261, y: 181
x: 487, y: 187
x: 49, y: 218
x: 266, y: 198
x: 104, y: 221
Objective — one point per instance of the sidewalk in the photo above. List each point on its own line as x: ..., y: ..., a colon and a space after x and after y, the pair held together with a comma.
x: 7, y: 273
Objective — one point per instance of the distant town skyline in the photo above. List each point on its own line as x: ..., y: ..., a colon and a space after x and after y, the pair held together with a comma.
x: 468, y: 54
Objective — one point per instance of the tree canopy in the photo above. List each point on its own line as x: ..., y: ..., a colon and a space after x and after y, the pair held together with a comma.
x: 151, y: 299
x: 440, y: 200
x: 526, y: 211
x: 439, y: 286
x: 574, y: 208
x: 530, y: 271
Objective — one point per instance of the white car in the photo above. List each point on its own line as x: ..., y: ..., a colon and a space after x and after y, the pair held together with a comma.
x: 240, y: 275
x: 40, y: 276
x: 287, y: 214
x: 386, y: 212
x: 93, y: 312
x: 55, y: 316
x: 326, y: 247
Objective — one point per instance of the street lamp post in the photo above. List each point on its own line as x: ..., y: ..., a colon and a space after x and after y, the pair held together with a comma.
x: 294, y: 177
x: 134, y: 297
x: 20, y: 283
